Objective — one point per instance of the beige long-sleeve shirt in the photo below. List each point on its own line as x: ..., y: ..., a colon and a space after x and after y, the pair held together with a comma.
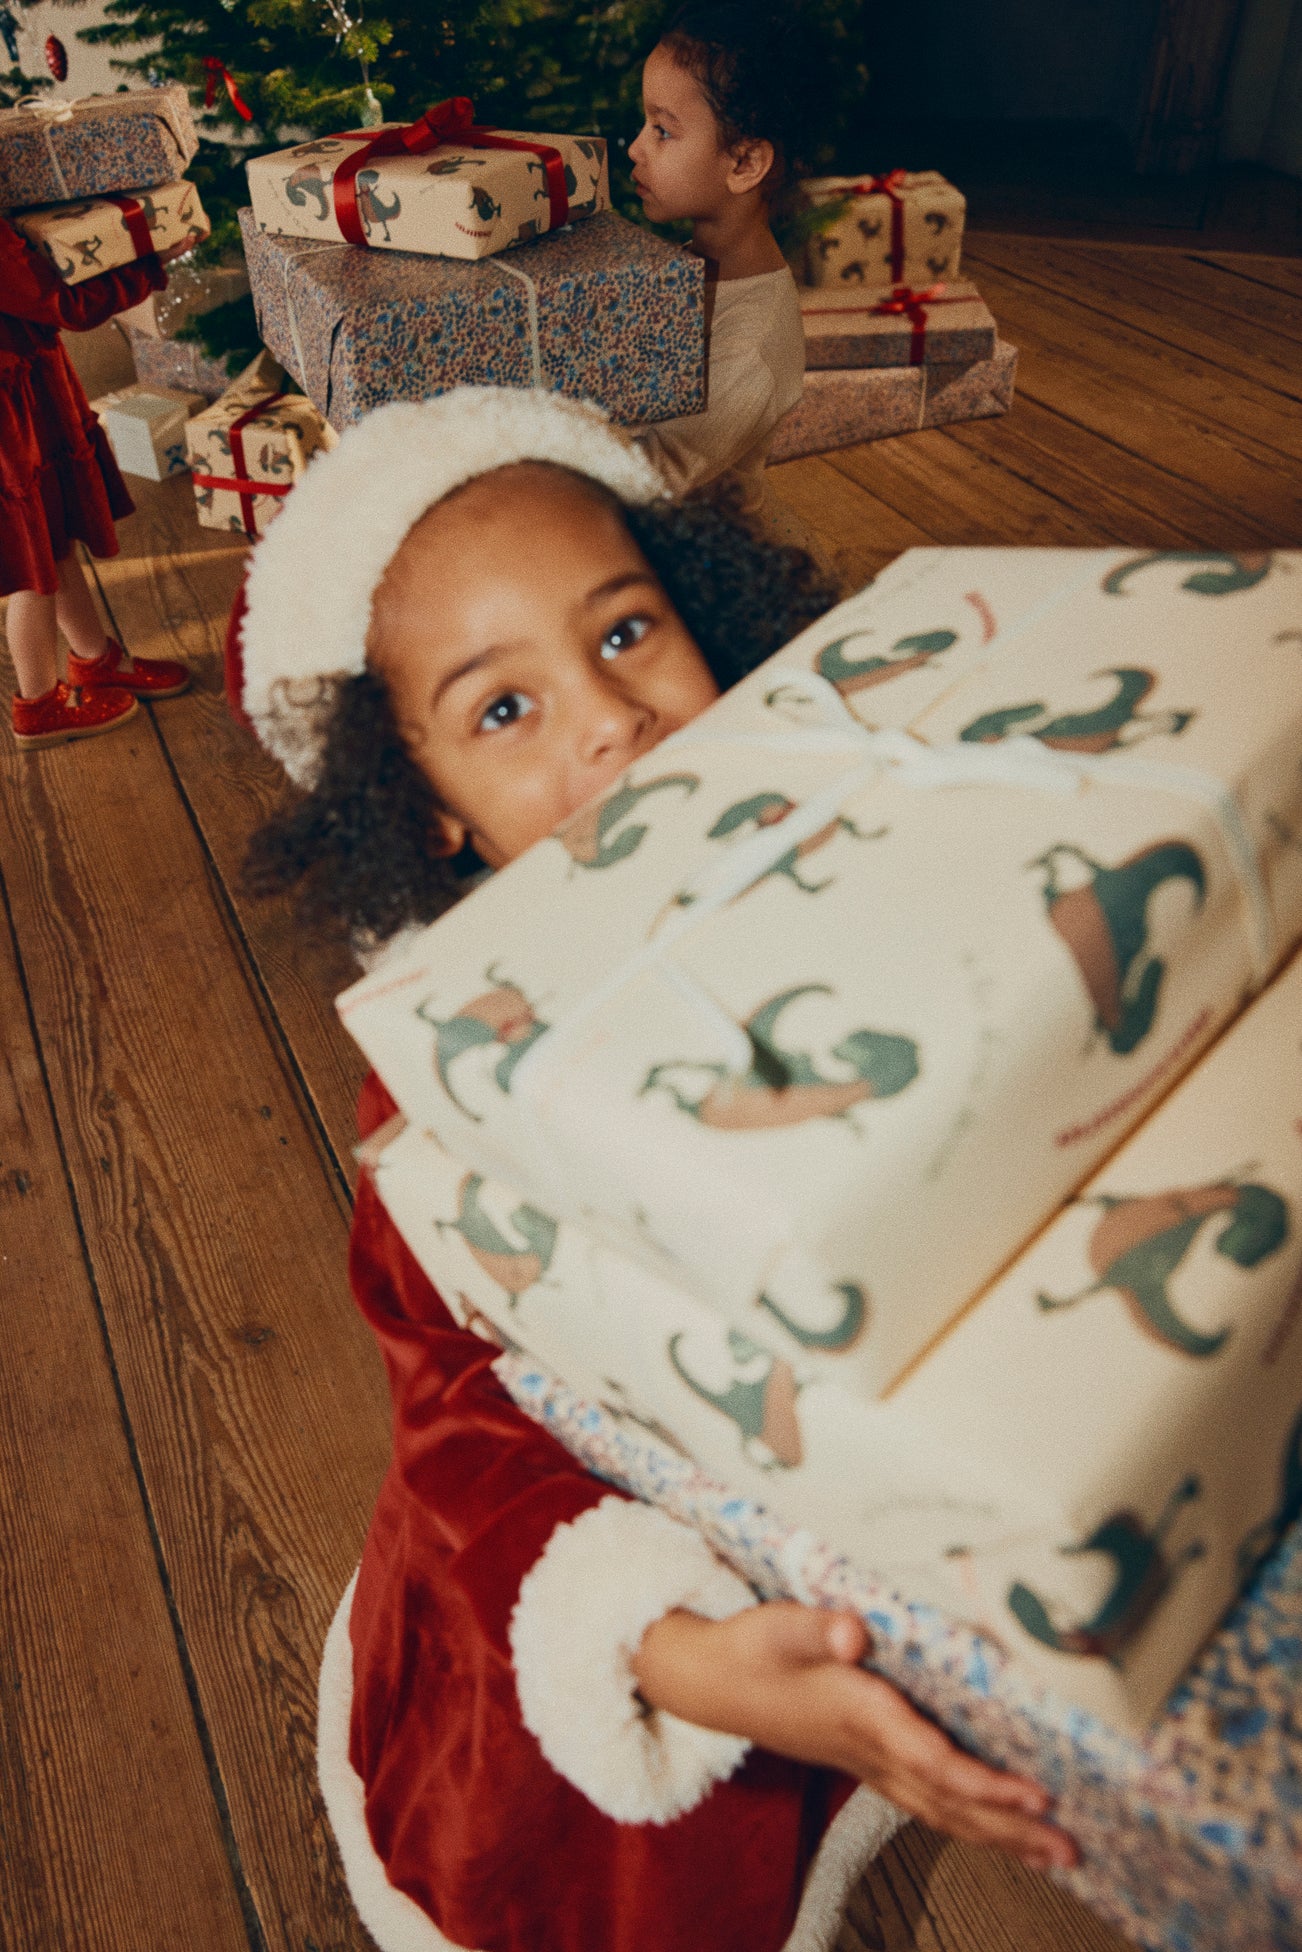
x: 754, y: 373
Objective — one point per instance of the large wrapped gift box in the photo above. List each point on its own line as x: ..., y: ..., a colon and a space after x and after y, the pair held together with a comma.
x: 146, y: 429
x: 456, y: 200
x: 52, y: 151
x: 83, y: 239
x: 603, y: 311
x: 840, y: 408
x: 941, y: 325
x: 247, y: 451
x: 903, y: 228
x: 1085, y: 1469
x: 842, y: 990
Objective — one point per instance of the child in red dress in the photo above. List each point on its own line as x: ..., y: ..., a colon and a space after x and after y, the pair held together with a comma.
x: 551, y: 1720
x: 60, y: 485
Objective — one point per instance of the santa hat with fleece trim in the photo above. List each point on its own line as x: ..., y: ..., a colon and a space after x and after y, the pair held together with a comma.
x: 313, y: 576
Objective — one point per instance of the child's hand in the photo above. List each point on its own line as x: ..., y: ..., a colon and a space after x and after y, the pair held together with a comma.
x: 788, y: 1677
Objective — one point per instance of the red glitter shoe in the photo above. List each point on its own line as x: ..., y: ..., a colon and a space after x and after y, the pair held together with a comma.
x: 62, y: 713
x: 147, y: 677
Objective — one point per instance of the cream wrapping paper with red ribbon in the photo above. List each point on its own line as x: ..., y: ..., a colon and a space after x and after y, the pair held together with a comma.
x: 248, y: 449
x: 830, y: 1003
x: 1086, y: 1467
x: 83, y: 239
x: 904, y: 227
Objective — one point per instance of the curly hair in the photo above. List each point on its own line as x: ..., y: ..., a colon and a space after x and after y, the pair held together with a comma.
x: 360, y: 846
x: 754, y: 64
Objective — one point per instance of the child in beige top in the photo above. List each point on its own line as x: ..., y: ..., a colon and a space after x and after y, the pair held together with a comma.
x: 713, y: 150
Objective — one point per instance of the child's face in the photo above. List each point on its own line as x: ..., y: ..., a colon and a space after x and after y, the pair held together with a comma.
x: 530, y: 654
x: 679, y: 168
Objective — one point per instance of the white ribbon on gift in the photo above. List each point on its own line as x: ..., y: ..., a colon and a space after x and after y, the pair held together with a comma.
x: 1017, y: 762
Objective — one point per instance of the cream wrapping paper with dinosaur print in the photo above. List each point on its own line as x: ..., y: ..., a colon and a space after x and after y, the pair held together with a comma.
x: 903, y: 228
x: 455, y: 201
x: 248, y: 449
x: 835, y: 998
x: 1086, y: 1468
x: 83, y: 239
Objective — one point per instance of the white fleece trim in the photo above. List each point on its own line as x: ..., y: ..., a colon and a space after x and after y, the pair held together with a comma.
x: 583, y: 1608
x: 861, y: 1827
x: 314, y: 573
x: 395, y: 1921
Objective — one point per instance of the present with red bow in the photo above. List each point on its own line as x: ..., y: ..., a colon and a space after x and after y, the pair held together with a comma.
x: 943, y: 324
x: 82, y: 239
x: 247, y: 450
x: 54, y: 151
x: 444, y: 185
x: 901, y: 228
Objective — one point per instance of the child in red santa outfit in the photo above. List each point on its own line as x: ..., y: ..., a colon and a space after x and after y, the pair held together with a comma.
x: 59, y: 485
x: 551, y: 1720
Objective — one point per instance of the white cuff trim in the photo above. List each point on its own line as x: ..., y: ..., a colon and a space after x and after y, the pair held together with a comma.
x: 395, y: 1921
x: 583, y: 1609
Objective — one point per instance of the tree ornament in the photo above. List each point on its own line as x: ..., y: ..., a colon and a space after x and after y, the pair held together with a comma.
x: 56, y: 58
x: 372, y: 112
x: 9, y: 30
x: 215, y: 71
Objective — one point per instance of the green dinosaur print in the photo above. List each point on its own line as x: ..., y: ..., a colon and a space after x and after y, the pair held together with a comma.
x: 906, y: 654
x: 1139, y: 1243
x: 305, y: 186
x: 485, y: 207
x: 1143, y: 1575
x: 843, y: 1333
x: 1263, y: 1539
x: 766, y: 810
x: 780, y: 1087
x: 1104, y: 923
x: 374, y: 210
x: 595, y: 837
x: 1119, y: 722
x: 514, y: 1266
x: 760, y: 1398
x: 1227, y: 573
x: 502, y: 1015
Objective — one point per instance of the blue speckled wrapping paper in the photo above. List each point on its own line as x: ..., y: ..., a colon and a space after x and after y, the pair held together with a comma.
x: 132, y: 141
x: 1191, y: 1838
x: 620, y: 320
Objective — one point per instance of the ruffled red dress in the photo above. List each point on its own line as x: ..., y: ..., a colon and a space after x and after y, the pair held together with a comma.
x: 59, y: 483
x: 469, y: 1830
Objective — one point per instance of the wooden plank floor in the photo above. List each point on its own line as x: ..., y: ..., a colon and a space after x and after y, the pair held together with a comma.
x: 193, y: 1418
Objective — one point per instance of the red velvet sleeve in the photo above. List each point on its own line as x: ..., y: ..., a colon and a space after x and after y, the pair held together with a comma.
x: 31, y: 289
x: 493, y: 1484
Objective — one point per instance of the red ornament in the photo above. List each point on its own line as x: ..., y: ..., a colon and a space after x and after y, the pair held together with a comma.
x: 56, y: 58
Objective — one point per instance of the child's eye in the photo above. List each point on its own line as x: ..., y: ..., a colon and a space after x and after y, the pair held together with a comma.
x: 509, y: 709
x: 623, y: 635
x: 661, y: 131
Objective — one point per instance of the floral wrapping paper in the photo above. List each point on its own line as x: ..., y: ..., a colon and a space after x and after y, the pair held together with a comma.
x: 146, y: 429
x: 841, y: 408
x: 276, y: 445
x: 1071, y: 832
x: 945, y: 323
x: 909, y: 234
x: 1191, y: 1836
x: 454, y: 201
x: 603, y: 311
x: 55, y: 151
x: 82, y: 239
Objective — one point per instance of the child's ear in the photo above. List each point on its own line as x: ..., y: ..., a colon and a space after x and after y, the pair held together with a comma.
x: 751, y: 162
x: 450, y: 834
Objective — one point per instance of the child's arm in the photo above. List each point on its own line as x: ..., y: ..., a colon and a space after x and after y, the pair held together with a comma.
x: 787, y: 1677
x: 31, y: 289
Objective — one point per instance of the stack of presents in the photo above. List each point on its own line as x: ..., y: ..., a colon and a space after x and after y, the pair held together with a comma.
x: 872, y: 1133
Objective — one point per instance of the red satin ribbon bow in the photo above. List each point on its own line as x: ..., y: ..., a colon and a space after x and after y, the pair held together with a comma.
x: 891, y: 185
x: 215, y: 71
x: 137, y: 224
x: 450, y: 121
x: 912, y: 305
x: 240, y: 483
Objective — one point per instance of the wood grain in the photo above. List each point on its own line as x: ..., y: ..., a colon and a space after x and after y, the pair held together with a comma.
x: 215, y: 1230
x: 104, y: 1787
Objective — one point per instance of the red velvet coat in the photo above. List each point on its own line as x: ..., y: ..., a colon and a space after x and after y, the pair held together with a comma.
x: 59, y: 483
x: 467, y: 1816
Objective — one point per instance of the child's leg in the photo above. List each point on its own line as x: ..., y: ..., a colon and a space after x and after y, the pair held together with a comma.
x: 98, y: 659
x: 33, y: 641
x: 45, y: 711
x: 76, y: 612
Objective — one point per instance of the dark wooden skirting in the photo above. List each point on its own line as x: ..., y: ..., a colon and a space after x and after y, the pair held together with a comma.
x: 194, y: 1419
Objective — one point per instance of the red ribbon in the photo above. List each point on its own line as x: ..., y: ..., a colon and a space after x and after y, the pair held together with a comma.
x: 215, y: 70
x: 450, y: 121
x: 240, y: 483
x: 891, y: 185
x: 903, y: 302
x: 136, y: 223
